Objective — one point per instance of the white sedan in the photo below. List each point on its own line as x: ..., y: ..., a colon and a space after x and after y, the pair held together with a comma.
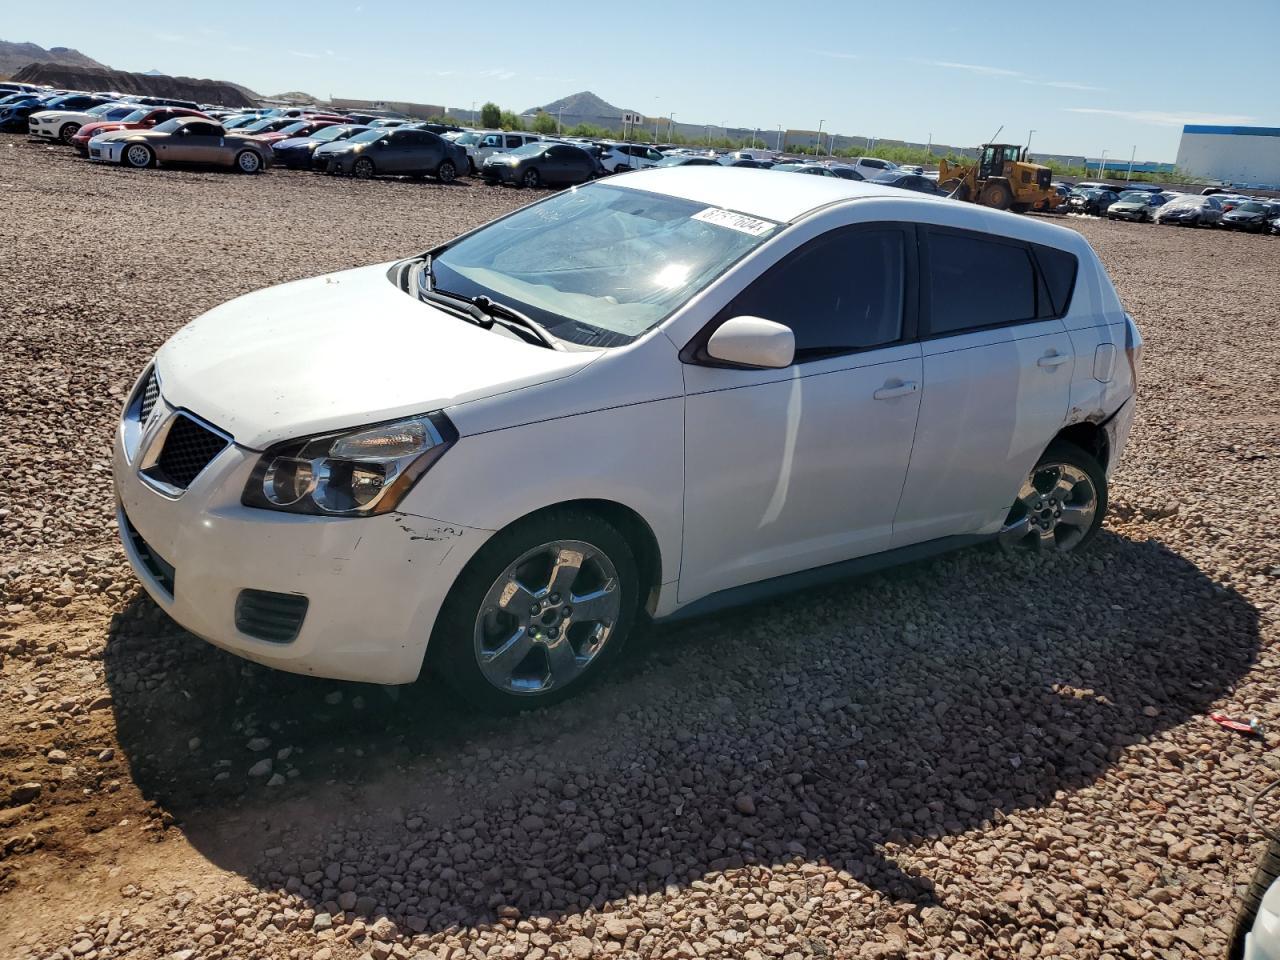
x: 62, y: 125
x: 642, y: 398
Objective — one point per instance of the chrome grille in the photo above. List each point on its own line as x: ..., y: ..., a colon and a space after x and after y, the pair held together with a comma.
x: 150, y: 394
x: 188, y: 448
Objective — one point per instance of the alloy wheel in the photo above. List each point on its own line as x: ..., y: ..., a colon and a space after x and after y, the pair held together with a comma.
x: 1054, y: 510
x: 138, y: 156
x: 547, y: 617
x: 248, y: 162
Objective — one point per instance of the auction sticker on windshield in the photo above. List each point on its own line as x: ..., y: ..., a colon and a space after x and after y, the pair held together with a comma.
x: 734, y: 221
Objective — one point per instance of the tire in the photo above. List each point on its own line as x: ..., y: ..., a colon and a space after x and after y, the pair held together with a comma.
x: 447, y: 172
x: 531, y: 178
x: 956, y: 186
x: 139, y: 156
x: 363, y: 169
x: 1264, y: 875
x: 248, y: 162
x: 1061, y: 504
x: 67, y: 131
x: 548, y: 661
x: 996, y: 195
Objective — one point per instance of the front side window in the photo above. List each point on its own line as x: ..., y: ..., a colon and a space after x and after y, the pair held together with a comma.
x: 600, y: 265
x: 840, y: 293
x: 978, y: 282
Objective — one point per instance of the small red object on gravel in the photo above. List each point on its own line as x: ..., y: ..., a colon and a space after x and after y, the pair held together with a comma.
x: 1252, y: 728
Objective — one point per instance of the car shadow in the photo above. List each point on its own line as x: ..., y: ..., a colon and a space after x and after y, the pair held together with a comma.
x: 839, y: 726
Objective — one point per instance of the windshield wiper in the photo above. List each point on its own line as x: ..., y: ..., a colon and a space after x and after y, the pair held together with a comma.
x: 483, y: 311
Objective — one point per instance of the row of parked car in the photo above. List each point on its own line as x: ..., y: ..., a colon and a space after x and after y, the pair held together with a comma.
x: 1142, y: 203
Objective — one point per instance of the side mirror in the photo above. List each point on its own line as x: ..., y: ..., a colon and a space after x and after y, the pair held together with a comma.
x: 753, y: 342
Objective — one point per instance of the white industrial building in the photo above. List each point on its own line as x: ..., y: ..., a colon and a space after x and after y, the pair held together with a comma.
x: 1245, y: 156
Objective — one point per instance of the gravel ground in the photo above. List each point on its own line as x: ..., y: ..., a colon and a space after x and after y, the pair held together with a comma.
x: 977, y: 756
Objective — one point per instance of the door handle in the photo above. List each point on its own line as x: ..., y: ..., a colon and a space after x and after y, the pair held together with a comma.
x: 1050, y: 360
x: 900, y: 389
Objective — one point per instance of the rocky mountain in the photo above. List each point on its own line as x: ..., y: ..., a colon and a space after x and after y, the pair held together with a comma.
x: 15, y: 56
x: 104, y: 78
x: 584, y: 107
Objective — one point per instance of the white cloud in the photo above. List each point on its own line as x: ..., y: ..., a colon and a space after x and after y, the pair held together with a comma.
x: 1163, y: 118
x: 974, y: 68
x: 307, y: 55
x: 494, y: 74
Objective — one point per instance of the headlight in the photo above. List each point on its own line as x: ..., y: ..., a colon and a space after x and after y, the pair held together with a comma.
x: 352, y: 473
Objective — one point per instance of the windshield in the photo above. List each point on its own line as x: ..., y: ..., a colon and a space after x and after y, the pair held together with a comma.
x: 296, y: 127
x: 135, y: 116
x: 1136, y: 196
x: 466, y: 139
x: 170, y: 125
x: 333, y: 133
x: 100, y: 109
x: 528, y: 150
x: 1252, y: 207
x: 672, y: 162
x: 600, y: 265
x: 254, y: 127
x: 368, y: 136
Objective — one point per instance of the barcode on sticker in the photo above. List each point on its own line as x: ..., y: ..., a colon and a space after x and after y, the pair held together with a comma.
x: 734, y: 221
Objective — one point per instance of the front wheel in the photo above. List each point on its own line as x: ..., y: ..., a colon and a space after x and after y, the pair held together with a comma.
x: 138, y: 156
x: 248, y: 162
x: 530, y: 178
x: 1060, y: 505
x: 538, y: 613
x: 447, y: 172
x: 362, y: 169
x: 68, y: 131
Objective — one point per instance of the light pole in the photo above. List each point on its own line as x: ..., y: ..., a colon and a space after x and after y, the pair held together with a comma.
x: 1132, y: 153
x: 671, y: 119
x: 819, y: 146
x: 559, y: 116
x: 1027, y: 148
x: 1102, y: 166
x: 473, y: 113
x: 754, y: 133
x: 778, y: 149
x: 929, y: 148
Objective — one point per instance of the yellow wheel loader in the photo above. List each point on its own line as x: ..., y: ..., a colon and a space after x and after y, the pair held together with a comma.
x: 1001, y: 178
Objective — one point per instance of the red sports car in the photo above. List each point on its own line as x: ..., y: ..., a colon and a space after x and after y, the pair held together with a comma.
x: 144, y: 118
x: 301, y: 128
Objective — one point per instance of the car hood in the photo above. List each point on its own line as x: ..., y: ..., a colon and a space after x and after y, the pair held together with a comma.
x: 63, y: 115
x: 1242, y: 215
x: 337, y: 351
x: 1120, y: 205
x: 291, y: 142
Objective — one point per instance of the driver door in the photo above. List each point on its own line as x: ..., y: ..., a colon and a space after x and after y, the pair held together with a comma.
x: 799, y: 467
x: 197, y: 143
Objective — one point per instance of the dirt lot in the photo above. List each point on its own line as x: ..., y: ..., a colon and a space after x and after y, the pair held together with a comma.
x: 975, y: 756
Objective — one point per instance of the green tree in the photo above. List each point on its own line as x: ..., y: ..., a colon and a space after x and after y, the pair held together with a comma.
x: 509, y: 121
x: 490, y: 115
x: 544, y: 123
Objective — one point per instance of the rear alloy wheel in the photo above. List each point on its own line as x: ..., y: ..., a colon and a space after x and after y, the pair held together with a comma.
x: 68, y: 131
x: 248, y: 162
x: 362, y: 169
x: 1061, y: 504
x: 138, y: 156
x: 530, y: 178
x: 537, y: 613
x: 447, y: 172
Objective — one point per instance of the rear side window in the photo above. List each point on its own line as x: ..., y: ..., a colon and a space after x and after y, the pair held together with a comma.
x: 975, y: 281
x: 1058, y: 268
x: 840, y: 293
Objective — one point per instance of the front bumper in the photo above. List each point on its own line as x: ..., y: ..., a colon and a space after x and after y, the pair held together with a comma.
x: 374, y: 585
x: 109, y: 151
x: 46, y: 131
x: 340, y: 163
x: 498, y: 172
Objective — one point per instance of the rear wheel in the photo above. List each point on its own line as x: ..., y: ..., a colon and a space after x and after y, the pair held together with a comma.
x: 138, y: 156
x: 362, y: 169
x: 1268, y: 870
x: 1060, y: 505
x: 68, y: 131
x: 538, y: 613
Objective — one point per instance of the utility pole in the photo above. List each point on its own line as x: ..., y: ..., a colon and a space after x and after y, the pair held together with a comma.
x: 559, y: 116
x: 779, y: 147
x: 930, y: 147
x: 1133, y: 153
x: 1027, y: 148
x: 819, y: 146
x: 671, y: 124
x: 1102, y: 166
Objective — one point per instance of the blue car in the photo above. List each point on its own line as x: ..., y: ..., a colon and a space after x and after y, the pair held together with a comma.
x: 296, y: 152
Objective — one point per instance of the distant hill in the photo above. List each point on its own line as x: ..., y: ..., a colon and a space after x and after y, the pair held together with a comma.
x: 584, y: 107
x: 103, y: 78
x: 15, y: 56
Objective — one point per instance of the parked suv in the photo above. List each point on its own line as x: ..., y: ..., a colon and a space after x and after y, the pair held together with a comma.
x: 644, y: 398
x: 620, y: 157
x: 486, y: 144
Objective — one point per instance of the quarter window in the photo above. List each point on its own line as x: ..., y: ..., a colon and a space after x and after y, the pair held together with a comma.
x: 977, y: 282
x: 838, y: 294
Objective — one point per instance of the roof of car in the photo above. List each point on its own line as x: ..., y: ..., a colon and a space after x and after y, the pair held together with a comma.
x: 761, y: 193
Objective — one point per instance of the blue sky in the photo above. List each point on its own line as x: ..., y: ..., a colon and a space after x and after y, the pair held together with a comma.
x: 1086, y: 78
